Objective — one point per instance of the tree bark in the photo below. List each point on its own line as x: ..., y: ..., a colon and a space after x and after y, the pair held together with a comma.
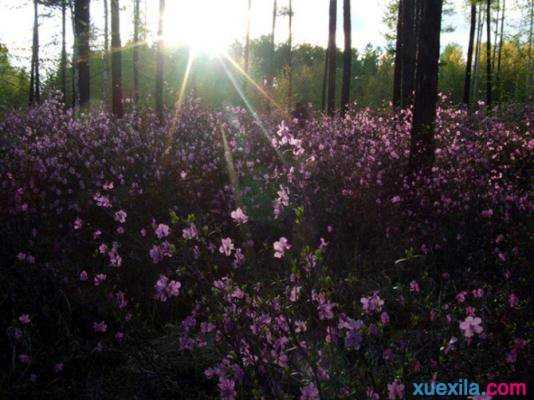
x: 331, y: 101
x: 272, y: 72
x: 135, y: 54
x: 105, y: 57
x: 397, y: 73
x: 424, y: 116
x: 499, y: 55
x: 476, y: 69
x: 325, y: 79
x: 529, y: 74
x: 160, y: 64
x: 82, y: 22
x: 468, y: 66
x: 35, y: 84
x: 64, y: 50
x: 495, y: 36
x: 116, y: 60
x: 347, y: 56
x: 408, y: 52
x: 488, y: 54
x: 290, y: 56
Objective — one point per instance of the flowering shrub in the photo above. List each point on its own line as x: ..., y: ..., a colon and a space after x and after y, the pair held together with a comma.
x: 285, y: 260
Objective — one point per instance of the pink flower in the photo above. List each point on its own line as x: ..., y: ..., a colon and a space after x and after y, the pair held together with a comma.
x: 190, y: 232
x: 239, y: 216
x: 100, y: 327
x: 513, y: 300
x: 280, y: 247
x: 25, y: 358
x: 99, y: 279
x: 487, y: 213
x: 309, y: 392
x: 226, y: 247
x: 395, y: 390
x: 470, y: 326
x: 24, y: 319
x: 372, y: 304
x: 162, y: 231
x: 478, y: 293
x: 119, y: 337
x: 120, y: 216
x: 78, y: 224
x: 414, y: 287
x: 83, y: 276
x: 384, y: 318
x: 396, y: 199
x: 226, y: 389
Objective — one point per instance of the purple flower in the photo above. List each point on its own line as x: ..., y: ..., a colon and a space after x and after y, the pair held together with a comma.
x: 309, y: 392
x: 395, y: 390
x: 162, y: 231
x: 470, y: 326
x: 24, y: 319
x: 226, y: 247
x: 120, y: 216
x: 280, y: 247
x: 239, y: 216
x: 190, y: 232
x: 227, y: 389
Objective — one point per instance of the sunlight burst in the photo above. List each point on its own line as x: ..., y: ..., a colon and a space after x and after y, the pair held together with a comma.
x: 204, y: 26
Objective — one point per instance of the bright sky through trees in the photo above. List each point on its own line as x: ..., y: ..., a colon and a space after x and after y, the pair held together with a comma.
x: 214, y: 24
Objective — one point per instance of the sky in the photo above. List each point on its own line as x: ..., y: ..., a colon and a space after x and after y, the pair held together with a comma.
x: 210, y: 25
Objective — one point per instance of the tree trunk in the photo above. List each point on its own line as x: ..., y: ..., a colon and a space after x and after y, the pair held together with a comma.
x: 529, y: 69
x: 325, y: 79
x: 397, y: 74
x: 495, y: 36
x: 467, y: 81
x: 82, y: 22
x: 35, y: 84
x: 488, y: 54
x: 272, y: 72
x: 159, y: 64
x: 332, y: 50
x: 247, y: 41
x: 424, y: 116
x: 476, y: 69
x: 64, y: 50
x: 408, y: 52
x: 105, y: 58
x: 499, y: 55
x: 135, y: 55
x: 116, y: 60
x: 290, y: 56
x: 74, y: 63
x: 347, y: 57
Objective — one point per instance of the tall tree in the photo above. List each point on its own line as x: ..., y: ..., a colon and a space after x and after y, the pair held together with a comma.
x: 499, y: 55
x: 409, y: 50
x: 105, y: 54
x: 135, y: 55
x: 160, y: 63
x: 529, y: 75
x: 397, y: 73
x: 35, y: 84
x: 476, y: 69
x: 82, y: 23
x: 332, y: 50
x: 63, y: 66
x: 290, y: 54
x: 270, y: 78
x: 247, y: 40
x: 488, y: 53
x: 347, y: 56
x: 426, y: 94
x: 116, y: 60
x: 468, y: 66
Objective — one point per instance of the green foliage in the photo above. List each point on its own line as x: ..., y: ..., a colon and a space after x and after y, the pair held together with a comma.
x: 14, y: 83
